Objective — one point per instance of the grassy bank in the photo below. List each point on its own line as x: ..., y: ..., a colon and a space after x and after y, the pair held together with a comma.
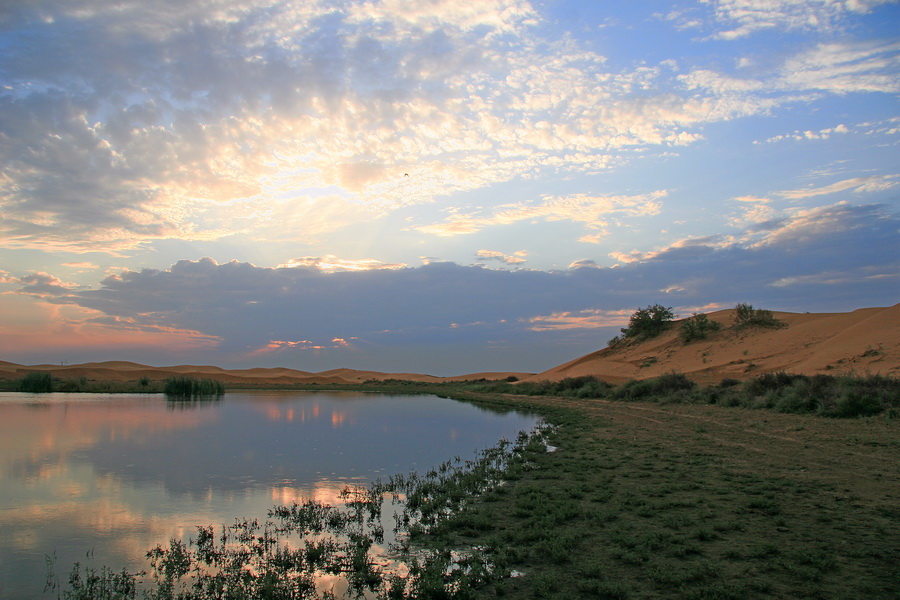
x: 695, y: 502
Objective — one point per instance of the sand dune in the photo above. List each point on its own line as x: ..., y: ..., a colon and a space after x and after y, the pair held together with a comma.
x: 863, y: 341
x: 260, y: 376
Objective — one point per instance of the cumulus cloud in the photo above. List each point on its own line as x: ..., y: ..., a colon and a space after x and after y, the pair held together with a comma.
x: 44, y: 285
x: 753, y: 211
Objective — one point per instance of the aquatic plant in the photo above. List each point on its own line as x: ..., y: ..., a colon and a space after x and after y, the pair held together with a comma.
x: 283, y: 556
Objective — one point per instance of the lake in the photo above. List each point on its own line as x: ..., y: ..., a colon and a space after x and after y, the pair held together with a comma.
x: 102, y: 478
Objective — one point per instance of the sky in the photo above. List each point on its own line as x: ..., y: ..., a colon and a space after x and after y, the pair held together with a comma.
x: 434, y: 186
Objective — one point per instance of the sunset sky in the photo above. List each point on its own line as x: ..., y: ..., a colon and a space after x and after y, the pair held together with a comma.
x: 434, y: 186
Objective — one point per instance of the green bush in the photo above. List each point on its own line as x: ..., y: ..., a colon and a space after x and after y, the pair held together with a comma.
x: 36, y: 382
x: 188, y: 387
x: 761, y: 384
x: 648, y: 322
x: 841, y: 397
x: 658, y: 388
x: 747, y: 316
x: 697, y: 327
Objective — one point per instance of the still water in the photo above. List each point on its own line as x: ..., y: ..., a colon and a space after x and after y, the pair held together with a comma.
x: 102, y: 478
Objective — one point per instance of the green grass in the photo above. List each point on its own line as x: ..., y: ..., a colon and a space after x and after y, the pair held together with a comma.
x: 659, y: 522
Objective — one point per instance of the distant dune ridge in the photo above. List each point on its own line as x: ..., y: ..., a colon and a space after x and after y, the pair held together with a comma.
x: 865, y: 341
x: 129, y: 371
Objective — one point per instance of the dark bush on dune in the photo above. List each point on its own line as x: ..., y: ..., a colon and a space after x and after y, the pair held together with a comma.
x: 697, y: 327
x: 648, y: 322
x: 747, y: 316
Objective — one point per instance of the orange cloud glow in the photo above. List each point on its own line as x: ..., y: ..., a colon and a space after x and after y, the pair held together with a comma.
x: 582, y: 319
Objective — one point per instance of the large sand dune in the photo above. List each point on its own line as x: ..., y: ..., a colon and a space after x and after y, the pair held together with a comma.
x: 865, y: 341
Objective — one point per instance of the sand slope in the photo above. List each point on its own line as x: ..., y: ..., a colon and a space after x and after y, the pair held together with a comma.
x: 863, y: 341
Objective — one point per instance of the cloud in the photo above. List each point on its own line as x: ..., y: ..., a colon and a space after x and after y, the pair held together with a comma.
x: 844, y: 68
x: 826, y: 68
x: 582, y: 319
x: 798, y: 135
x: 754, y: 211
x: 408, y: 317
x: 331, y: 264
x: 593, y: 211
x: 516, y: 258
x: 44, y: 285
x: 133, y: 123
x: 872, y: 183
x: 746, y: 17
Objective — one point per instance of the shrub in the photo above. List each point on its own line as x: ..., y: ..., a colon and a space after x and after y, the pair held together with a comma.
x: 853, y: 403
x: 648, y: 322
x: 188, y: 387
x: 36, y: 382
x: 761, y: 384
x: 663, y: 386
x: 697, y: 327
x: 747, y: 316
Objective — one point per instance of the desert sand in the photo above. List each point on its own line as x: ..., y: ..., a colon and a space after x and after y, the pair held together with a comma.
x: 862, y: 342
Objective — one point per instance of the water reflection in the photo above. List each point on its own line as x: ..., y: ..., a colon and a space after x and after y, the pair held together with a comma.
x: 113, y: 476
